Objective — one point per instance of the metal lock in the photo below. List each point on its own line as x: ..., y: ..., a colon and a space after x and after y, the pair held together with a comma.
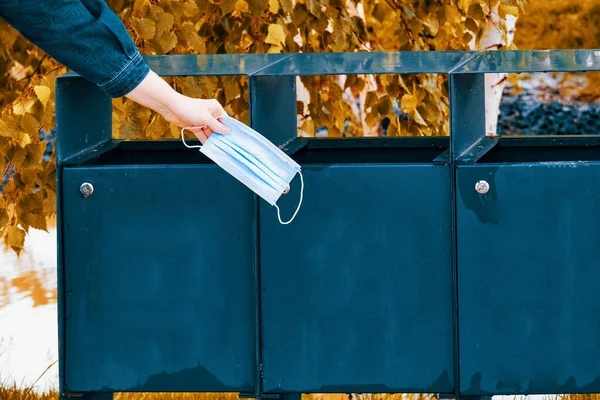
x: 86, y: 189
x: 482, y: 187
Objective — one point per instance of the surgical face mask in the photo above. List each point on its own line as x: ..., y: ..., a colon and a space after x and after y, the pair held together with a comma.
x: 253, y: 160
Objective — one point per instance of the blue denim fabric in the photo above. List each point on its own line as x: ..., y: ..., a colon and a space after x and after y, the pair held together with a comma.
x: 85, y: 36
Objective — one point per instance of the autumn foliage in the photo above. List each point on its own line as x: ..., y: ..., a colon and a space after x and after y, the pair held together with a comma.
x: 239, y: 26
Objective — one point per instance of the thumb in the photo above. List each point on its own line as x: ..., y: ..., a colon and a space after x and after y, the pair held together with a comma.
x: 216, y: 126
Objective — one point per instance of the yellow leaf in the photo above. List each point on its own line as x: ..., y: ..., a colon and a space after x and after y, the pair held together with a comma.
x: 157, y: 128
x: 10, y: 126
x: 452, y: 14
x: 471, y: 25
x: 339, y: 40
x: 274, y: 49
x: 419, y: 118
x: 23, y: 106
x: 194, y: 86
x: 227, y: 6
x: 164, y: 21
x: 50, y: 203
x: 145, y: 27
x: 175, y: 131
x: 232, y: 90
x: 24, y: 139
x: 308, y: 126
x: 392, y: 130
x: 3, y: 218
x: 168, y: 41
x: 242, y: 6
x: 464, y: 5
x: 276, y: 35
x: 28, y: 179
x: 18, y: 71
x: 30, y: 125
x: 371, y: 99
x: 467, y: 37
x: 35, y: 153
x: 287, y: 6
x: 140, y: 7
x: 190, y: 9
x: 384, y: 106
x: 476, y: 11
x: 193, y: 39
x: 15, y: 238
x: 334, y: 132
x: 8, y: 37
x: 274, y: 6
x: 30, y: 210
x: 129, y: 129
x: 16, y: 156
x: 42, y: 93
x: 409, y: 103
x: 504, y: 9
x: 372, y: 118
x: 314, y: 39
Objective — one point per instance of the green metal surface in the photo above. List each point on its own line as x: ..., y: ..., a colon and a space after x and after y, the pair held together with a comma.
x: 531, y: 61
x: 211, y: 65
x: 395, y: 276
x: 353, y: 298
x: 159, y: 280
x: 528, y: 260
x: 408, y: 62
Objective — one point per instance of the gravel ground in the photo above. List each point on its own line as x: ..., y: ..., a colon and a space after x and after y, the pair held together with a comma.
x: 540, y: 109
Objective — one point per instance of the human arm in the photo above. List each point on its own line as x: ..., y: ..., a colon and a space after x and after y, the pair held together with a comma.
x: 153, y: 92
x: 88, y: 38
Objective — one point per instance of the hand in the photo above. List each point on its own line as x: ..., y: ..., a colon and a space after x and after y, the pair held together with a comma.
x: 199, y: 116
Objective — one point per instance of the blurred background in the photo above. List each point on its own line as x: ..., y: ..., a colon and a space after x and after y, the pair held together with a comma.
x: 537, y: 104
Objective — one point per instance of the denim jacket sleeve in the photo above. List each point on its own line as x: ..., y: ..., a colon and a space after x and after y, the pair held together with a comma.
x: 85, y: 36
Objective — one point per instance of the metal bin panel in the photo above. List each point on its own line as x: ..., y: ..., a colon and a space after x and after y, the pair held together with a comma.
x: 528, y: 273
x: 158, y: 280
x: 356, y: 293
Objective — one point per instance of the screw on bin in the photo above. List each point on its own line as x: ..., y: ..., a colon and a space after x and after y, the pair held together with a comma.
x: 482, y: 187
x: 86, y: 189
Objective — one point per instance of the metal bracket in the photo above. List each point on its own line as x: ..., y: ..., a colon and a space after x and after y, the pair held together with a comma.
x: 442, y: 159
x: 478, y: 150
x: 293, y: 146
x: 89, y: 153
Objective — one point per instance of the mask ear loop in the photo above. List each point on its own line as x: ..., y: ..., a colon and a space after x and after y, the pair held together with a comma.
x: 187, y: 145
x: 195, y: 127
x: 299, y: 204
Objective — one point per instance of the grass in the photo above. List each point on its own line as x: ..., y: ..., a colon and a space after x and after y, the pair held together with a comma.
x: 16, y: 393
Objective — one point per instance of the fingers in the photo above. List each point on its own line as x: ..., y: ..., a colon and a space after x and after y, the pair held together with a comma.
x: 201, y: 134
x: 217, y: 112
x: 202, y: 118
x: 216, y: 126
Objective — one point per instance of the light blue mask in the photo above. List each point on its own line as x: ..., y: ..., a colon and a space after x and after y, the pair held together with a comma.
x: 254, y: 161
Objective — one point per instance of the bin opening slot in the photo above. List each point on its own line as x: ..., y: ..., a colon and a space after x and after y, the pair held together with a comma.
x: 351, y: 151
x: 144, y: 153
x: 540, y: 150
x: 309, y: 155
